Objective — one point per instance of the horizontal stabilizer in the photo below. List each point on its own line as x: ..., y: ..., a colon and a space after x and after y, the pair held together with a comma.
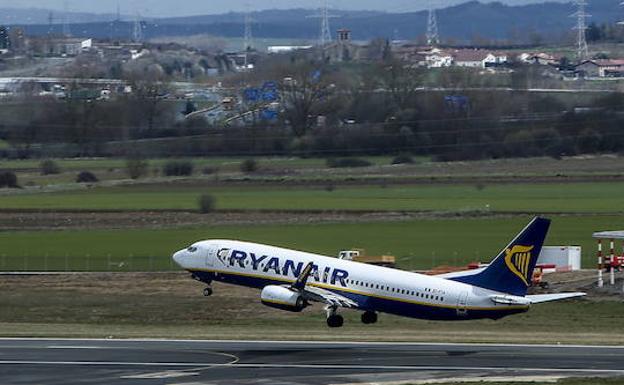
x: 539, y: 298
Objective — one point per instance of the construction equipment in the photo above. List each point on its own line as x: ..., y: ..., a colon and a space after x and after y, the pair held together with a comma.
x: 359, y: 255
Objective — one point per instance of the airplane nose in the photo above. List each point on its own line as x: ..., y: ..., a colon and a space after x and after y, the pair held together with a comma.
x: 177, y: 258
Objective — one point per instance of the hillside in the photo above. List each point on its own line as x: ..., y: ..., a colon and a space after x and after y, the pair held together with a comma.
x: 463, y: 23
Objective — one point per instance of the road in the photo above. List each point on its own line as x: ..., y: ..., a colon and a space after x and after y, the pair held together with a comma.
x: 53, y: 361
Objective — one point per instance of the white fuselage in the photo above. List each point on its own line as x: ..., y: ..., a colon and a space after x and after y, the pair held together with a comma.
x: 373, y: 288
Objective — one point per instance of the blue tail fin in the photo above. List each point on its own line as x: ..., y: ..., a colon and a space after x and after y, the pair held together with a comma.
x: 511, y: 271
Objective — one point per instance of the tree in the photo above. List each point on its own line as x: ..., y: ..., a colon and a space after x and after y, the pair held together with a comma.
x: 148, y: 99
x: 402, y: 81
x: 306, y: 94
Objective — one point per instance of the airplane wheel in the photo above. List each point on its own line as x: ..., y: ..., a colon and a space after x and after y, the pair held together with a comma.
x: 335, y: 321
x: 207, y: 292
x: 369, y: 317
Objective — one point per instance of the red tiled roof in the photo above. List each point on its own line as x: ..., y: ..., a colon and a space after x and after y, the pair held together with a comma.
x: 466, y: 55
x: 609, y: 62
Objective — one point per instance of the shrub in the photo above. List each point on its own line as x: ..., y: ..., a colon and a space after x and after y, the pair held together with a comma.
x: 49, y: 167
x: 403, y: 159
x: 207, y: 203
x: 347, y: 162
x: 86, y: 177
x: 136, y: 168
x: 8, y: 179
x: 208, y: 170
x: 179, y: 168
x: 249, y: 165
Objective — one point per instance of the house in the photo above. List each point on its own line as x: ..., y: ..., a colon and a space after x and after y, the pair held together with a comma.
x: 603, y: 68
x: 60, y: 46
x: 475, y: 58
x: 540, y: 58
x: 437, y: 58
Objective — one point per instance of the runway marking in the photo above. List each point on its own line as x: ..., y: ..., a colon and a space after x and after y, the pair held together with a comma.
x: 76, y: 347
x: 112, y: 363
x: 160, y: 375
x: 331, y: 343
x: 199, y: 366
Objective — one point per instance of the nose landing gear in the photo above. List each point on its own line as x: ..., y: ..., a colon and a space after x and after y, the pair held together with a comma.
x: 208, y: 291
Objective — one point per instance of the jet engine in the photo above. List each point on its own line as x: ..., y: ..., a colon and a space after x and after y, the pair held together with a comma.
x: 283, y: 298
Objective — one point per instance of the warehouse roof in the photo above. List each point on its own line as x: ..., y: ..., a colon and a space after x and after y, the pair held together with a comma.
x: 609, y: 235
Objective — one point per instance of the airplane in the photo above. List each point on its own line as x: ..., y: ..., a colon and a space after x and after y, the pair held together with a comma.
x: 292, y: 280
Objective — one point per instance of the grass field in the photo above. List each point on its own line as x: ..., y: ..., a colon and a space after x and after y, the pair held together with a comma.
x: 526, y: 197
x: 417, y: 244
x: 171, y: 305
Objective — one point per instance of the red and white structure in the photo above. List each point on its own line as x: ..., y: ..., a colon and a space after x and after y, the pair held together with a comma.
x: 611, y: 261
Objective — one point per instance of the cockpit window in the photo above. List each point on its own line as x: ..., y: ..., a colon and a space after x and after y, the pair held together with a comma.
x: 192, y: 249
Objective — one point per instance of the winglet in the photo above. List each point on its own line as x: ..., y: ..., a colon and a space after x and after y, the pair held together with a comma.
x: 302, y: 280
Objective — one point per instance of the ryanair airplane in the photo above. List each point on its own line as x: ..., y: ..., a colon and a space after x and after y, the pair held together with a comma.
x: 292, y: 280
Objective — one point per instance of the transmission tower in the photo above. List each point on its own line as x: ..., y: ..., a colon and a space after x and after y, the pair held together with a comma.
x: 137, y: 29
x: 325, y: 36
x: 50, y: 23
x: 432, y: 27
x: 248, y: 38
x: 582, y: 51
x: 66, y: 29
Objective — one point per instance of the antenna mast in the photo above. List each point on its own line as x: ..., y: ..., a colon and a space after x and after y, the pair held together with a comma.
x: 582, y: 51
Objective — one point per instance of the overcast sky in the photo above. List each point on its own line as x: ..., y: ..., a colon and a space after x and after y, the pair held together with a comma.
x: 157, y: 8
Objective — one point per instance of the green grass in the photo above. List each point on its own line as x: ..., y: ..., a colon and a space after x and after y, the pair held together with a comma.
x: 528, y: 197
x: 417, y: 244
x: 172, y: 306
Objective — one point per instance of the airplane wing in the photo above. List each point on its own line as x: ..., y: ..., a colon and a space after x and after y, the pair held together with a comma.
x: 316, y: 293
x: 539, y: 298
x: 321, y: 295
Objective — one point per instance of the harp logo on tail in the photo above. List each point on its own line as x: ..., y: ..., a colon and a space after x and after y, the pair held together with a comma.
x: 518, y: 260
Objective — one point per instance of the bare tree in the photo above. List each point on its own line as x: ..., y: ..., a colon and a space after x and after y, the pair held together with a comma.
x: 307, y: 93
x: 148, y: 98
x: 402, y: 81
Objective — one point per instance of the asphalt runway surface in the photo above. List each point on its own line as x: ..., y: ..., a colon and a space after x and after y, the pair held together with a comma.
x: 53, y: 361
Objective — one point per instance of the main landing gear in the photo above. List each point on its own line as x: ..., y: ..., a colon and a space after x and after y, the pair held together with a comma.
x: 369, y: 317
x: 208, y: 291
x: 334, y: 320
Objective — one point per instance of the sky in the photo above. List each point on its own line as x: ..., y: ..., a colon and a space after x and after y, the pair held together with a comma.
x: 164, y: 8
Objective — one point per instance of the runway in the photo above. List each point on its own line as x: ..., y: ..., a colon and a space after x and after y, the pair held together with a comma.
x: 54, y: 361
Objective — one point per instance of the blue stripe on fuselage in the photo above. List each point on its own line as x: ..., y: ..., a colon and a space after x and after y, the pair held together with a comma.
x: 368, y: 302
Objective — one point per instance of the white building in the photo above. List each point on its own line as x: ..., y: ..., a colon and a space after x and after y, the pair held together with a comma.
x: 475, y: 58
